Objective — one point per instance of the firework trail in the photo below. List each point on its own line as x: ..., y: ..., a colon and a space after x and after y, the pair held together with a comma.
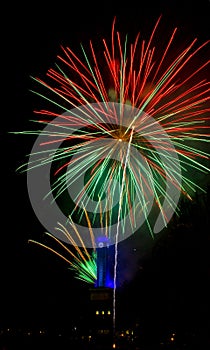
x: 117, y: 233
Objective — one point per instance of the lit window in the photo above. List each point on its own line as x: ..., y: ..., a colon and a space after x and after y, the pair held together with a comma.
x: 97, y: 312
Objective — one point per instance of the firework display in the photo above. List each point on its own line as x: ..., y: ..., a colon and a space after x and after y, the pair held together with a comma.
x: 127, y: 129
x: 82, y: 261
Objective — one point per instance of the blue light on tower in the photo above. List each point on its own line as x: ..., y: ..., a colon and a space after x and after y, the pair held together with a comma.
x: 103, y: 274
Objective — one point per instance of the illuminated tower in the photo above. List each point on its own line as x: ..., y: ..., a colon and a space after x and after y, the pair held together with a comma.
x: 101, y: 298
x: 103, y: 273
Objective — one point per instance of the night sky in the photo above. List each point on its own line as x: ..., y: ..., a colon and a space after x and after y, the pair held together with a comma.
x: 35, y: 285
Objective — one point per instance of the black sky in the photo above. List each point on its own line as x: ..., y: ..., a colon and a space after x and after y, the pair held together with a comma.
x: 33, y: 282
